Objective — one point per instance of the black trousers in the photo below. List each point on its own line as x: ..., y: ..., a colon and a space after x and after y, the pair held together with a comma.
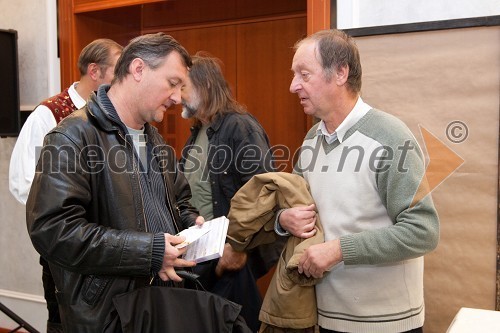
x: 416, y: 330
x: 49, y: 290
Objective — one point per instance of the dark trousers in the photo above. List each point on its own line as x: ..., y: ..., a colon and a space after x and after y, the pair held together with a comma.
x: 239, y: 287
x: 49, y: 290
x: 416, y: 330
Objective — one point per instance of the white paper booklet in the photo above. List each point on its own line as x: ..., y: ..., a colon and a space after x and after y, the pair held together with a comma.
x: 192, y: 234
x: 211, y: 244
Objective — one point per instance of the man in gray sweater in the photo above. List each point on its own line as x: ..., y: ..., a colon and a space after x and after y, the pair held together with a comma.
x: 364, y: 168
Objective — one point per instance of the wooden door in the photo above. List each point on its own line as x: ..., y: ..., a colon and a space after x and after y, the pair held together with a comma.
x: 256, y: 58
x: 264, y: 59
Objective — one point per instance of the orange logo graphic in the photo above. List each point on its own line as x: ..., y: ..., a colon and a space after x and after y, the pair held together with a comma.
x: 442, y: 163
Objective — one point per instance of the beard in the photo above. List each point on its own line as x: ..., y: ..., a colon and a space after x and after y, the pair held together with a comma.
x: 188, y: 111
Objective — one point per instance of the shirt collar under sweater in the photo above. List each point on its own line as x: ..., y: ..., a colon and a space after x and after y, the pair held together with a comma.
x: 358, y: 112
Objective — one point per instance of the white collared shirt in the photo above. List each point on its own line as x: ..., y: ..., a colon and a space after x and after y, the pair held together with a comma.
x: 24, y: 156
x: 359, y: 111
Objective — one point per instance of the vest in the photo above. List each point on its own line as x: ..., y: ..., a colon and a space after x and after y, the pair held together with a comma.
x: 61, y: 105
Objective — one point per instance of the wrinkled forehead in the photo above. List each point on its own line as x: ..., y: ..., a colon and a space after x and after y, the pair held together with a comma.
x: 306, y: 54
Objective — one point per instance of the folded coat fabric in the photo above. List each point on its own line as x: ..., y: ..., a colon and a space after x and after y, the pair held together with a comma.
x: 290, y: 300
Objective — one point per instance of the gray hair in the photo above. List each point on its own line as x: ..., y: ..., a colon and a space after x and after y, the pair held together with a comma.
x: 337, y: 50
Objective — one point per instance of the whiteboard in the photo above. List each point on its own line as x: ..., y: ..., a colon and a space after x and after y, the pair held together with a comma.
x: 368, y: 13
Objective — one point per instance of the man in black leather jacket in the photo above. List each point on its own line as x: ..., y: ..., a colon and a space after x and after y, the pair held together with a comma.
x: 226, y: 148
x: 107, y: 197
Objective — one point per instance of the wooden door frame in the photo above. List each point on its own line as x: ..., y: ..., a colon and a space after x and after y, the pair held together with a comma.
x: 318, y: 15
x: 318, y: 18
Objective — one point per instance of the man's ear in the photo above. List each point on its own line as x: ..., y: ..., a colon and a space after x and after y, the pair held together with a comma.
x: 341, y: 75
x: 93, y: 71
x: 136, y: 68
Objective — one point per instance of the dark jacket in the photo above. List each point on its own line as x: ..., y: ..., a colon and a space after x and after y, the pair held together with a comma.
x: 238, y: 149
x: 85, y: 213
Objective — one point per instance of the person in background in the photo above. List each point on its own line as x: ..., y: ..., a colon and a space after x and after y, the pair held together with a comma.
x: 107, y: 198
x: 363, y: 167
x: 96, y: 64
x: 226, y: 148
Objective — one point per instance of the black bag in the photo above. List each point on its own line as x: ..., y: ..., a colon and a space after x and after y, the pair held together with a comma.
x: 164, y: 309
x: 237, y: 286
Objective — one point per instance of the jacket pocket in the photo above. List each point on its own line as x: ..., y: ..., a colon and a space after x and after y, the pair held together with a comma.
x: 228, y: 184
x: 93, y: 288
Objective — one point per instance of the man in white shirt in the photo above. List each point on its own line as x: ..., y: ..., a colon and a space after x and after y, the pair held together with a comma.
x: 96, y: 64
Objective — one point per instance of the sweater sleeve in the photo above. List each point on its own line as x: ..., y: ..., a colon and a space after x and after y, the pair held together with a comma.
x: 415, y: 228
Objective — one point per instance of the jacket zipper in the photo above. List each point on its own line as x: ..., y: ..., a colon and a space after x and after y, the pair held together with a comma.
x: 136, y: 171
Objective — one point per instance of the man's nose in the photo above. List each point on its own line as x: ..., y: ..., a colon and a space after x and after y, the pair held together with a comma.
x: 176, y: 96
x: 294, y: 85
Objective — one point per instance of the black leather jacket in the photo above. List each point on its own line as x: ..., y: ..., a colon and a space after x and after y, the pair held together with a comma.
x: 85, y: 214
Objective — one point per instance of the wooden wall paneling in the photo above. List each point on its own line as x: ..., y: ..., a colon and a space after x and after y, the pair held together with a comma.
x: 219, y: 42
x: 318, y: 15
x: 115, y: 22
x: 77, y: 30
x: 65, y: 31
x: 88, y: 28
x: 318, y: 18
x: 82, y: 6
x: 264, y: 58
x: 187, y: 12
x: 246, y: 9
x: 196, y: 12
x: 120, y: 25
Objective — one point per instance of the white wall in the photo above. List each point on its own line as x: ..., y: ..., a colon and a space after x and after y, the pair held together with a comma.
x: 367, y: 13
x: 39, y: 77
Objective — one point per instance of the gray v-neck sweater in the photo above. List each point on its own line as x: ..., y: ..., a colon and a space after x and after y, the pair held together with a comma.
x: 363, y: 188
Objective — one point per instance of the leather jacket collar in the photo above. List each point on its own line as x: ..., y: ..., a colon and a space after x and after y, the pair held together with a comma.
x: 103, y: 111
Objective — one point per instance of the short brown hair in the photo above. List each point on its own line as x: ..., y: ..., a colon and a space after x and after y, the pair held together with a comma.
x: 98, y: 52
